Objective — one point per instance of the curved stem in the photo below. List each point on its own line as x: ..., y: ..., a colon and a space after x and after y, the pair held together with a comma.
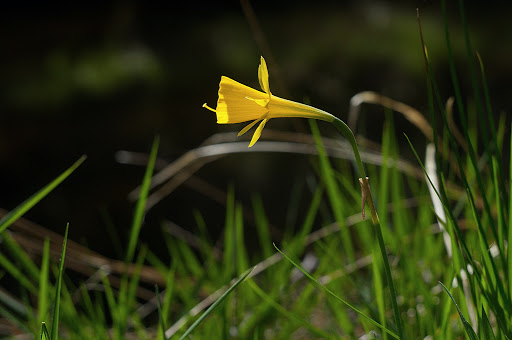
x: 367, y: 198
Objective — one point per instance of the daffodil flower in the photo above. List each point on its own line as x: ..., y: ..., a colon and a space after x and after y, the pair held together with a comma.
x: 239, y: 103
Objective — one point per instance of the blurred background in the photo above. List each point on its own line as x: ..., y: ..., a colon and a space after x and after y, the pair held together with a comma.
x: 96, y: 79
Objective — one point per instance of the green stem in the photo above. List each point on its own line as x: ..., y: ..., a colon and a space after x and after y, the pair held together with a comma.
x: 367, y: 197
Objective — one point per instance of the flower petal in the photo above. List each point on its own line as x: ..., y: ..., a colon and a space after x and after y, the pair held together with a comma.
x: 257, y: 133
x: 248, y: 127
x: 233, y: 105
x: 263, y: 76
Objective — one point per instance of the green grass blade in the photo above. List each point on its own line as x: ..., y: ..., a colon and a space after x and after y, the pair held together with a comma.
x: 15, y: 271
x: 58, y: 286
x: 166, y: 306
x: 44, y: 332
x: 467, y: 327
x: 215, y: 304
x: 161, y: 322
x: 485, y: 329
x: 20, y: 210
x: 260, y: 219
x: 509, y: 251
x: 327, y: 175
x: 42, y: 298
x: 141, y: 202
x: 23, y: 259
x: 289, y: 315
x: 337, y: 297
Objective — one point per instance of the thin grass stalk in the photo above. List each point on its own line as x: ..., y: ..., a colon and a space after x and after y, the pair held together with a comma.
x: 463, y: 118
x: 367, y: 197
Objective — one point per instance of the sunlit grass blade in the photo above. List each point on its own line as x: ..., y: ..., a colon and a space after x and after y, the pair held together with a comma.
x: 58, y: 286
x: 467, y: 327
x: 20, y: 210
x: 335, y: 296
x: 215, y: 304
x: 141, y: 202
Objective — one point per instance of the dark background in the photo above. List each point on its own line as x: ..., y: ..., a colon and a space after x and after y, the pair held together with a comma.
x: 94, y: 79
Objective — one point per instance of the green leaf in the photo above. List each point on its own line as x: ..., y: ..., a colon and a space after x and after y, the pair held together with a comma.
x: 20, y: 210
x: 467, y: 327
x: 337, y: 297
x: 141, y: 202
x: 58, y: 286
x: 215, y: 304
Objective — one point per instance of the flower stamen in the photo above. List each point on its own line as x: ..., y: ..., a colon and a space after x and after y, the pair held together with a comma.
x: 209, y: 108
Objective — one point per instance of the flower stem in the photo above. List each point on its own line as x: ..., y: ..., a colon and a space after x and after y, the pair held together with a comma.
x: 367, y: 197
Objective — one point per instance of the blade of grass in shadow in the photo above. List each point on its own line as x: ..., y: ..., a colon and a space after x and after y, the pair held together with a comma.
x: 215, y: 304
x: 169, y: 286
x: 337, y: 297
x: 42, y: 298
x: 463, y: 117
x: 509, y: 250
x: 498, y: 168
x: 161, y: 322
x: 15, y: 271
x: 485, y: 328
x: 22, y: 258
x: 21, y: 209
x: 467, y: 327
x: 141, y: 202
x: 58, y: 286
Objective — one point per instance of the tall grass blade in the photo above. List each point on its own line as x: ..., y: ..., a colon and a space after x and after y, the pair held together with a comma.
x: 485, y: 330
x: 141, y: 202
x: 42, y: 298
x: 336, y: 296
x: 289, y: 315
x: 58, y: 286
x: 467, y: 327
x: 215, y: 304
x: 20, y: 210
x: 327, y: 175
x: 161, y: 322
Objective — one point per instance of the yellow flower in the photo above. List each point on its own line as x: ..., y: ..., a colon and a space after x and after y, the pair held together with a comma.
x: 238, y: 103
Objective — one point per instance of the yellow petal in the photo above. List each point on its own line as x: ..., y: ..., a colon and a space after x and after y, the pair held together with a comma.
x: 257, y: 133
x: 233, y: 105
x: 248, y: 127
x: 263, y: 76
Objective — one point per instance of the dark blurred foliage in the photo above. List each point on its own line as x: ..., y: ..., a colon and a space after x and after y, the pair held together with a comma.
x: 95, y: 78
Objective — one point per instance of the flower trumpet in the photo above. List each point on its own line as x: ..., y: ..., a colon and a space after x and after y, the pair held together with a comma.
x: 239, y: 103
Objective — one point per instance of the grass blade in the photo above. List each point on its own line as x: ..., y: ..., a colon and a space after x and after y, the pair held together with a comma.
x: 44, y: 332
x: 13, y: 215
x: 337, y: 297
x: 141, y: 202
x: 215, y: 304
x: 58, y: 286
x: 42, y: 304
x: 467, y: 327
